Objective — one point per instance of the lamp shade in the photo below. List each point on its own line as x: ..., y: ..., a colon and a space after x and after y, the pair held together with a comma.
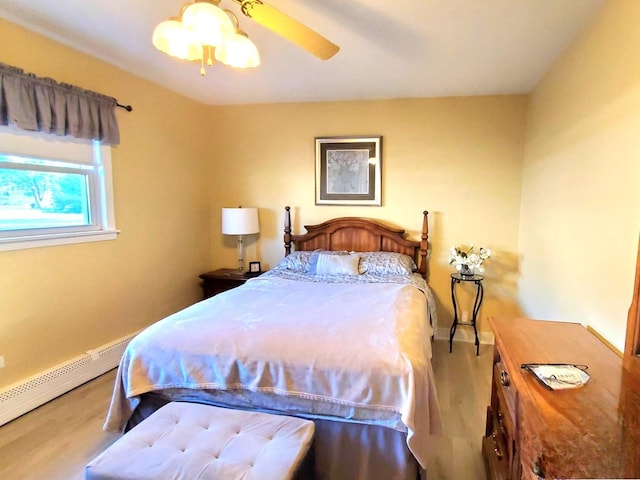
x: 240, y: 221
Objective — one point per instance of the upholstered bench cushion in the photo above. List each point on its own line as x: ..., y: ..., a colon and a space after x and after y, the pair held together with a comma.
x: 195, y: 442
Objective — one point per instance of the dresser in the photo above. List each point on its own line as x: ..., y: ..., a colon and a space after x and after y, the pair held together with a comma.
x: 592, y: 431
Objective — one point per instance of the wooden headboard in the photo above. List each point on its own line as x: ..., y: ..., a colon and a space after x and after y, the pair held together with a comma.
x: 358, y: 235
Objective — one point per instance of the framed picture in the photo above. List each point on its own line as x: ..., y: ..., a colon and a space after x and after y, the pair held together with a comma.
x: 254, y: 267
x: 348, y: 170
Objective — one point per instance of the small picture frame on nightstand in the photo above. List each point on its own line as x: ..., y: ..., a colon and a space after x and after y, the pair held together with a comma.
x: 254, y: 267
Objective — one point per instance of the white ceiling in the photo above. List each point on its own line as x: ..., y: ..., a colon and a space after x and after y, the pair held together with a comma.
x: 414, y: 48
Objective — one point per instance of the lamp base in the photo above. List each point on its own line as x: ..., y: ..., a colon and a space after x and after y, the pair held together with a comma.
x: 240, y: 254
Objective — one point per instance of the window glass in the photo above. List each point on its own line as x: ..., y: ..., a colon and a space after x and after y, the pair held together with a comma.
x: 31, y: 198
x: 53, y: 191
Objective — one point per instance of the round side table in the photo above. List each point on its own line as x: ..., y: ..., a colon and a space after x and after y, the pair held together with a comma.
x: 457, y: 278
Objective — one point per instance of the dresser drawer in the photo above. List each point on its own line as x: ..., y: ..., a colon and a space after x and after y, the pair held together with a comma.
x: 507, y: 399
x: 499, y: 444
x: 496, y: 466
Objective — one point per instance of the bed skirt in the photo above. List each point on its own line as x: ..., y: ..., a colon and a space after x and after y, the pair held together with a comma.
x: 341, y: 450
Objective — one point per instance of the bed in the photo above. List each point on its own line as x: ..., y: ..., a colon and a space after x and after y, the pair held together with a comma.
x: 339, y: 332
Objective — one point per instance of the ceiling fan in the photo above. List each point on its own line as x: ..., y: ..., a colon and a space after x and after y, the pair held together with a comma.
x: 287, y: 27
x: 204, y: 31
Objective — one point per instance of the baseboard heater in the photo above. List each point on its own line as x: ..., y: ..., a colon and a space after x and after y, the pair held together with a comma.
x: 24, y: 396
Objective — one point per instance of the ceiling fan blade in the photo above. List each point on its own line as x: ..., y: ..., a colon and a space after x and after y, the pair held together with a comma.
x: 291, y: 29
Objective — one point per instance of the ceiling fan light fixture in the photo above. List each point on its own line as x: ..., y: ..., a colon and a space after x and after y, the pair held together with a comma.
x: 238, y: 51
x: 185, y: 49
x: 172, y: 38
x: 164, y: 33
x: 208, y: 23
x: 204, y: 26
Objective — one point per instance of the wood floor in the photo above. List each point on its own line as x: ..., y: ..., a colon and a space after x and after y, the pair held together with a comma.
x: 55, y: 441
x: 463, y: 382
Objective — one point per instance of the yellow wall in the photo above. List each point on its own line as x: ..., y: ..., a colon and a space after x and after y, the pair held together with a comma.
x: 581, y: 182
x: 549, y: 182
x: 57, y: 302
x: 459, y: 158
x: 179, y: 162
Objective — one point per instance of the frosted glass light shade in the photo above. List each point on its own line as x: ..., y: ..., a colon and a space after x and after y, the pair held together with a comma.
x: 164, y: 33
x: 204, y: 26
x: 208, y: 23
x: 172, y: 38
x: 240, y: 221
x: 238, y: 51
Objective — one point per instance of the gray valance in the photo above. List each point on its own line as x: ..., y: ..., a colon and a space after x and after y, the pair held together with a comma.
x: 42, y: 104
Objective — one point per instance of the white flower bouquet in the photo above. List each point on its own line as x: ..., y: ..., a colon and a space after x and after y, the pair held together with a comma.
x: 467, y: 260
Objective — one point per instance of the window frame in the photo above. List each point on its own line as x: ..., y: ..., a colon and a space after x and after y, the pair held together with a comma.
x: 99, y: 186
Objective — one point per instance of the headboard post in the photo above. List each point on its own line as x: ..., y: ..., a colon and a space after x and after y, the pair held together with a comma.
x: 424, y: 245
x: 287, y: 230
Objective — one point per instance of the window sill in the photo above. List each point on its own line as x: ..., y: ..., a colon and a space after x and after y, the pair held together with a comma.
x: 21, y: 243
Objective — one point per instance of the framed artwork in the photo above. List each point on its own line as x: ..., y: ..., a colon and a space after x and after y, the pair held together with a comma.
x: 254, y: 267
x: 349, y: 170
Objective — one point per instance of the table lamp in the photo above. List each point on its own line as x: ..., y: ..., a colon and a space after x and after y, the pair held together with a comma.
x: 240, y: 221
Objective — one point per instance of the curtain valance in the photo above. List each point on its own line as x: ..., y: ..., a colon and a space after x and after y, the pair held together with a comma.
x: 42, y: 104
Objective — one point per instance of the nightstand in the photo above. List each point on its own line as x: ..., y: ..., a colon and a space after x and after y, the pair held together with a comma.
x: 223, y: 279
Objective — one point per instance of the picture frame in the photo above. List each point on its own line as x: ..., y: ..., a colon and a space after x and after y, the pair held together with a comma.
x: 254, y: 267
x: 349, y: 170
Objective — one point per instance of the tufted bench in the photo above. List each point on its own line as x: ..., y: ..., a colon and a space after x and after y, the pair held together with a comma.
x: 190, y: 441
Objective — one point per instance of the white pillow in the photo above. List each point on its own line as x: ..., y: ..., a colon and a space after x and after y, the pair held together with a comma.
x: 330, y: 264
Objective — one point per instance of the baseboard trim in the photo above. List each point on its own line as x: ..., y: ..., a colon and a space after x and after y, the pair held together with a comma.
x: 465, y: 334
x: 605, y: 341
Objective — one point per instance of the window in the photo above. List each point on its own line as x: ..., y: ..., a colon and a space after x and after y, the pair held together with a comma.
x: 53, y: 190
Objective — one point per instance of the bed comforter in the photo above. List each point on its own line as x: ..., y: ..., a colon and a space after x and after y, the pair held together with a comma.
x: 356, y: 351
